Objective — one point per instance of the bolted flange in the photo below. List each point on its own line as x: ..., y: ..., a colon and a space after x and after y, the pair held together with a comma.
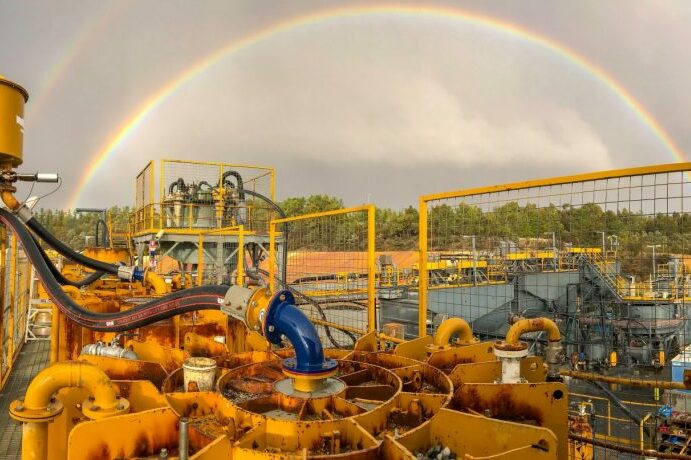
x: 21, y: 413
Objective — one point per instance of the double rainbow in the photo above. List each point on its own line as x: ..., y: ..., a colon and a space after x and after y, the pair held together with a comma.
x: 462, y: 16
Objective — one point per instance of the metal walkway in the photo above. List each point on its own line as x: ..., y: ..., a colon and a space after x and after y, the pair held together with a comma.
x: 33, y: 357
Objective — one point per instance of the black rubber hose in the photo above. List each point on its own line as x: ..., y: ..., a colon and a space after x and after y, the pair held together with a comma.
x: 186, y: 300
x: 68, y: 252
x: 238, y: 179
x: 60, y: 277
x: 179, y: 183
x: 282, y: 213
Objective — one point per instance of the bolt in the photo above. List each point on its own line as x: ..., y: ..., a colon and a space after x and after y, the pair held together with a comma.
x: 95, y: 407
x: 163, y: 453
x: 282, y: 297
x: 272, y: 328
x: 254, y: 303
x: 120, y: 406
x: 19, y: 408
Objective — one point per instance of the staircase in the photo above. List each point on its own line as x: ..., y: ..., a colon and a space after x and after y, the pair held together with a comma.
x: 119, y: 235
x: 597, y: 267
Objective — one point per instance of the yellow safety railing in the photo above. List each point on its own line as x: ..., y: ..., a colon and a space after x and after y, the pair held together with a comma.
x: 441, y: 214
x: 15, y: 276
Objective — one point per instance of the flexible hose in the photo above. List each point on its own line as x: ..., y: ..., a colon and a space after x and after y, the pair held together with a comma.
x: 238, y: 178
x: 179, y: 184
x: 193, y: 299
x: 68, y: 252
x: 60, y: 277
x: 282, y: 213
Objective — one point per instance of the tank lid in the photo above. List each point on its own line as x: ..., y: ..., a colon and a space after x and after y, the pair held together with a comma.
x: 11, y: 84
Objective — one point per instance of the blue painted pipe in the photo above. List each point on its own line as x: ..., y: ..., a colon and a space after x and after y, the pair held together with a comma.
x: 284, y: 318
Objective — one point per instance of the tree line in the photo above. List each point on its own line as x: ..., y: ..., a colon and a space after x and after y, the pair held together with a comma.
x: 450, y: 227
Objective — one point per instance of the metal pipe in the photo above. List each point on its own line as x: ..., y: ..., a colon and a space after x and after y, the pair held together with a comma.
x: 38, y: 408
x: 626, y: 449
x: 183, y: 440
x: 666, y: 385
x: 35, y: 441
x: 156, y: 282
x: 70, y: 374
x: 450, y: 327
x: 10, y: 200
x: 524, y: 326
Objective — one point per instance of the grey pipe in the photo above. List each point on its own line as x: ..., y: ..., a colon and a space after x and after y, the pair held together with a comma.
x: 184, y: 441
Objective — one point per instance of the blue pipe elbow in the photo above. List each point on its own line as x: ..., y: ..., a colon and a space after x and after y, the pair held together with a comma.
x: 284, y: 318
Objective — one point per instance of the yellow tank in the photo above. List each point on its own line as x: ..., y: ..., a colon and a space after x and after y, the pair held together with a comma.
x: 12, y: 99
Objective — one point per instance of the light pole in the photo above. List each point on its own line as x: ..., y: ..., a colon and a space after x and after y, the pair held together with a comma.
x: 654, y: 262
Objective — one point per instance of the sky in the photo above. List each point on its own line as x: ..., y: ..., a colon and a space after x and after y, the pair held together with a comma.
x: 367, y: 107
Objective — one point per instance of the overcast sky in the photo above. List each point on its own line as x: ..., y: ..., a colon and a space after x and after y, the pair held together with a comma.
x: 385, y: 107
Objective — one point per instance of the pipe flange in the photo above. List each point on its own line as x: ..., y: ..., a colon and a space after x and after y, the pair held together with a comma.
x: 328, y: 369
x: 503, y: 349
x: 93, y: 411
x: 21, y: 413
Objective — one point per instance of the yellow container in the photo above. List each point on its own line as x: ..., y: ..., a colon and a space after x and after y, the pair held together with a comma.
x: 12, y: 99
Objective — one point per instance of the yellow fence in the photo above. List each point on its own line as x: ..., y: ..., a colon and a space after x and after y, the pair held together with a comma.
x: 15, y: 274
x: 329, y: 265
x: 196, y: 196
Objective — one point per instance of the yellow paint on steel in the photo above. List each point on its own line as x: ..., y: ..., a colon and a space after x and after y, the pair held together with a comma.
x: 422, y: 274
x: 200, y: 260
x: 3, y: 274
x: 391, y: 339
x: 599, y: 175
x: 453, y: 326
x: 12, y: 297
x: 35, y: 441
x: 666, y: 385
x: 272, y: 256
x: 241, y: 256
x: 524, y: 326
x: 313, y: 215
x: 371, y: 269
x: 12, y: 100
x: 54, y: 334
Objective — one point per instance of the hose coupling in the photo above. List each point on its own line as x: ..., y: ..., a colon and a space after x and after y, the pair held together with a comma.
x: 129, y: 274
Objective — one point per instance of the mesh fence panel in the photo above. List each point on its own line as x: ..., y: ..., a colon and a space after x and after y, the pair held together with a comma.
x: 197, y: 195
x: 607, y: 256
x: 330, y: 269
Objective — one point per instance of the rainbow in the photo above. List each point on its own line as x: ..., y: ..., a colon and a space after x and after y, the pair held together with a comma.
x: 75, y: 49
x: 238, y: 44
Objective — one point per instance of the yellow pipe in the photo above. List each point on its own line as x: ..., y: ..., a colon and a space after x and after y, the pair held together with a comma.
x: 666, y: 385
x: 9, y: 199
x: 523, y: 326
x: 37, y: 402
x: 641, y: 428
x: 70, y: 374
x: 450, y: 327
x: 157, y: 282
x: 35, y: 441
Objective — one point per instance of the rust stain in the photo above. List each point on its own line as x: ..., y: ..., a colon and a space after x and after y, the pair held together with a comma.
x: 503, y: 405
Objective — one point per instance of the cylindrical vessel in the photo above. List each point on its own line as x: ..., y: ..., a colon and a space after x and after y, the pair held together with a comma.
x: 199, y: 374
x: 12, y: 100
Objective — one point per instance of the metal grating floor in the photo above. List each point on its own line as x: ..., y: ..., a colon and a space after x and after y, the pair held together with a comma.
x: 33, y: 357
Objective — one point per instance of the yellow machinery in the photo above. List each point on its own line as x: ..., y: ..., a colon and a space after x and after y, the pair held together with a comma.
x: 142, y: 368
